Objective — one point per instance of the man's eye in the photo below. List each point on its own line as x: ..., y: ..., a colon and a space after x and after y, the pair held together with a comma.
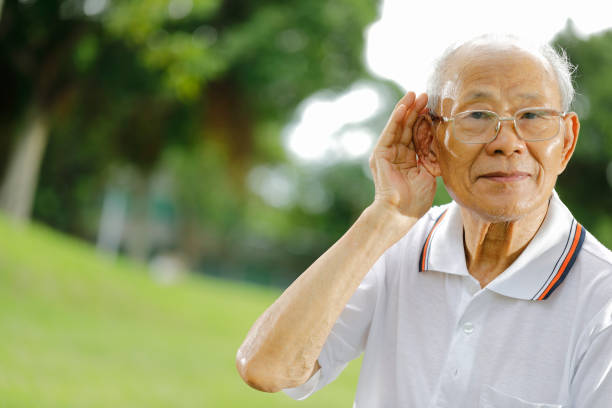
x: 530, y: 115
x: 479, y: 115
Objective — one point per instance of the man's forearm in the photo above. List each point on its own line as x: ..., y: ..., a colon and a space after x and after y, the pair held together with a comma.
x: 282, y: 347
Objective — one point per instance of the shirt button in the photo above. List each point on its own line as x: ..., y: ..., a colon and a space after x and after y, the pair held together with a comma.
x: 468, y: 328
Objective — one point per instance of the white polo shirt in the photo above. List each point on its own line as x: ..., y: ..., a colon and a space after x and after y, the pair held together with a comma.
x: 539, y: 335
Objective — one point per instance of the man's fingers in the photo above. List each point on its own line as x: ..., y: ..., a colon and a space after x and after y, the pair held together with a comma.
x: 419, y: 105
x: 407, y: 99
x: 394, y: 127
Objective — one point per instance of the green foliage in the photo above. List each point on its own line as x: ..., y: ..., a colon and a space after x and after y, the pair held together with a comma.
x: 586, y: 185
x: 205, y: 192
x: 85, y: 52
x: 140, y: 77
x: 167, y: 45
x: 138, y: 20
x: 82, y: 330
x: 277, y: 52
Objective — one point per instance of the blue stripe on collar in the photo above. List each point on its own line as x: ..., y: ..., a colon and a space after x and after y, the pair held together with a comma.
x: 566, y: 265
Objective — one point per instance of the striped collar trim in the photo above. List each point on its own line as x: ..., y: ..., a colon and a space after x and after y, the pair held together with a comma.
x: 564, y: 262
x: 534, y: 275
x: 424, y: 258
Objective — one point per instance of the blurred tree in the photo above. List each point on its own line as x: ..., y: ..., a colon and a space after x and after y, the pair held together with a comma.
x: 35, y: 47
x: 586, y: 185
x: 131, y: 73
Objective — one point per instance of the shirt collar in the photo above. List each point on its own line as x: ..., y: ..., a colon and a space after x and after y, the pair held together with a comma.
x: 534, y: 275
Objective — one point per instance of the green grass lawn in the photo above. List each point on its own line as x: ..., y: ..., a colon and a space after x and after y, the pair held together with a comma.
x: 80, y: 330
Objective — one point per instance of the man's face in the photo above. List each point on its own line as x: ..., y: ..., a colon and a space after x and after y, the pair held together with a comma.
x: 506, y: 178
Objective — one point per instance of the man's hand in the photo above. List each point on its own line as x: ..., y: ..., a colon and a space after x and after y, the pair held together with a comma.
x: 401, y: 184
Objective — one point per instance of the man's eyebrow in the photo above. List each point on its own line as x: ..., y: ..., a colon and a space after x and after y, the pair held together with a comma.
x: 475, y: 95
x: 478, y: 95
x: 530, y: 95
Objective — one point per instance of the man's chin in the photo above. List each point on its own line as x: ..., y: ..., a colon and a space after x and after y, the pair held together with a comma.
x: 500, y: 204
x: 496, y: 209
x: 500, y: 214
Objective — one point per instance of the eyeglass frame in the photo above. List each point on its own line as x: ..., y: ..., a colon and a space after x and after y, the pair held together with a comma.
x: 435, y: 117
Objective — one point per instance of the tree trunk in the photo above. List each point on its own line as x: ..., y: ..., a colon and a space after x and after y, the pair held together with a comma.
x: 21, y: 177
x: 228, y: 120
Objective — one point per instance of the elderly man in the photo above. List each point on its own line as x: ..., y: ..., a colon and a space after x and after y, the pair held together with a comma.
x: 498, y: 299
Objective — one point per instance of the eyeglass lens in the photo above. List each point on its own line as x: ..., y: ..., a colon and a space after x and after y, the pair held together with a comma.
x: 482, y: 126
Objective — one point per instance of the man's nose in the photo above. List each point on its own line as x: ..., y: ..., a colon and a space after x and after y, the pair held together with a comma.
x: 507, y: 141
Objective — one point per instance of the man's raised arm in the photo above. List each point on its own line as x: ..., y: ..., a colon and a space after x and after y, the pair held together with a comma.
x: 281, y: 349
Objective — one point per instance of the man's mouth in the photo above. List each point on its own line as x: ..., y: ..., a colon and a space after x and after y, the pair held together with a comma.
x: 505, y: 177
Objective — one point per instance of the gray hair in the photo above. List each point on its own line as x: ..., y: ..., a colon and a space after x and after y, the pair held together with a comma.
x: 557, y: 58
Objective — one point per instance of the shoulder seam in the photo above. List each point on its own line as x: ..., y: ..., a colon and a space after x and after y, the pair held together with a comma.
x: 598, y: 256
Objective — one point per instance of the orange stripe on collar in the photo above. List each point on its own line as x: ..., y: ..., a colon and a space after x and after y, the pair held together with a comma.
x: 567, y: 264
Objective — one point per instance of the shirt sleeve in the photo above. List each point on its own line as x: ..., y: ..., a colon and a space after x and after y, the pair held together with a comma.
x: 348, y: 336
x: 591, y: 386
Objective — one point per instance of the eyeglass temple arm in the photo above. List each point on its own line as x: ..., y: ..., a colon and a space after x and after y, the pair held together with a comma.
x: 434, y: 116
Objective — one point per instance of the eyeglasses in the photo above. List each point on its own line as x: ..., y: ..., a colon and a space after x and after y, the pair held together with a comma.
x: 482, y: 126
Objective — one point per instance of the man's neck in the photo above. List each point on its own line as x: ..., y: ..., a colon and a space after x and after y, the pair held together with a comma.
x: 491, y: 247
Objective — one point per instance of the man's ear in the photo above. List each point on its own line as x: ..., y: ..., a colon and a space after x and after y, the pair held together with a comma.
x: 423, y: 138
x: 570, y: 137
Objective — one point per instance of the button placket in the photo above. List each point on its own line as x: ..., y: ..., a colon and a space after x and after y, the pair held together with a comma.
x: 462, y: 351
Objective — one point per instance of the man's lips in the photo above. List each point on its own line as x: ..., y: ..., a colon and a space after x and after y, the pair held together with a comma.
x: 502, y: 176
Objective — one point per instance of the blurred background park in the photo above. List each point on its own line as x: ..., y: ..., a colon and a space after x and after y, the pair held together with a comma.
x: 167, y: 167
